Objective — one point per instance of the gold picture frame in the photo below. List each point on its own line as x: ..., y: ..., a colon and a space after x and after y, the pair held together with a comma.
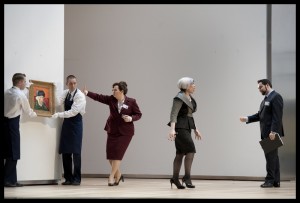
x: 41, y: 98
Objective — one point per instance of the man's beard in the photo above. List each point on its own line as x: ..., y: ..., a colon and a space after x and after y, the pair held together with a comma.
x: 263, y: 92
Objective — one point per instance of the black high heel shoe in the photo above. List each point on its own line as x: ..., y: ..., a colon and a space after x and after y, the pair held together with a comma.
x: 121, y: 178
x: 177, y: 183
x: 188, y: 183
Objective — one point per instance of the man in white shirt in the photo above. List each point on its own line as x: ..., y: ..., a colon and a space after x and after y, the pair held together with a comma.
x: 15, y: 102
x: 71, y: 134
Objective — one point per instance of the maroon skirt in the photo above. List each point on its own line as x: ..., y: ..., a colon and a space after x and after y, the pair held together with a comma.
x: 116, y: 145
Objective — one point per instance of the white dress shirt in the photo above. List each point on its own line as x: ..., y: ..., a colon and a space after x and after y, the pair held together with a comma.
x: 78, y: 106
x: 16, y: 102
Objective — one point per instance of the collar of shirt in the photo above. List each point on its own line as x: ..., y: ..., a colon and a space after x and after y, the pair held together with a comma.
x: 269, y: 92
x: 120, y: 105
x: 72, y: 93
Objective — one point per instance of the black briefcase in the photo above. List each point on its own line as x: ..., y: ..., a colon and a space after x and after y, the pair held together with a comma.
x: 269, y: 145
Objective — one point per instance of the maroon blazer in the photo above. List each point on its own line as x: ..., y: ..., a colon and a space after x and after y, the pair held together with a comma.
x: 115, y: 122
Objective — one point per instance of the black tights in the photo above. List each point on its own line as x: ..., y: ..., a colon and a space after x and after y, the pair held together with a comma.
x: 187, y: 165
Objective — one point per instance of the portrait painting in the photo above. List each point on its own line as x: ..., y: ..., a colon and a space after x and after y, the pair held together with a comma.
x: 41, y: 98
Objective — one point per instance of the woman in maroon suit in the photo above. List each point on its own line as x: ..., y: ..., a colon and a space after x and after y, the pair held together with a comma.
x: 119, y: 126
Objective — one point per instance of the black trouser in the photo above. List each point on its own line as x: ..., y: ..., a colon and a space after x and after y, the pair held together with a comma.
x: 272, y: 166
x: 10, y: 171
x: 67, y: 164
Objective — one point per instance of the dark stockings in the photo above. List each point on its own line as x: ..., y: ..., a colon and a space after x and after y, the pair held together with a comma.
x: 189, y: 157
x: 187, y: 166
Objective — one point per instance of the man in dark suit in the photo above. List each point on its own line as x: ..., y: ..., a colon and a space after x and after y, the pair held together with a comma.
x: 270, y: 118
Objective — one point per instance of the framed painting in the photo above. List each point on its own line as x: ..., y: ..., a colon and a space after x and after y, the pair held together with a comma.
x: 41, y: 98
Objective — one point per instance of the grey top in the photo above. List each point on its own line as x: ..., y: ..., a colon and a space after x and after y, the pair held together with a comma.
x: 177, y: 105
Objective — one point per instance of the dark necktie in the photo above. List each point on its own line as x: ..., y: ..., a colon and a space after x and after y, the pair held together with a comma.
x: 69, y: 96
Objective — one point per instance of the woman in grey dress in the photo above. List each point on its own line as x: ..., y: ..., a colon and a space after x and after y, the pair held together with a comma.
x: 181, y: 123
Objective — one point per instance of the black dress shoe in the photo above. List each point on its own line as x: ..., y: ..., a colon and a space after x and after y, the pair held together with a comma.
x: 75, y: 183
x: 188, y: 183
x: 67, y: 183
x: 121, y: 178
x: 276, y: 184
x: 13, y: 185
x: 266, y: 185
x: 177, y: 183
x: 19, y: 185
x: 9, y: 185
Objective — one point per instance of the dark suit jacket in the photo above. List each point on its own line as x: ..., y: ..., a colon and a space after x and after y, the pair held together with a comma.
x: 115, y: 122
x: 269, y: 115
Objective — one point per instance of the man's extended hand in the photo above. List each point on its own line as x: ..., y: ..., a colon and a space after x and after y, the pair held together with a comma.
x: 55, y: 115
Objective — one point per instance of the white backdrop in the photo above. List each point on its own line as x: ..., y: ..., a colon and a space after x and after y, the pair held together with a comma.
x: 223, y: 47
x: 151, y: 46
x: 34, y: 45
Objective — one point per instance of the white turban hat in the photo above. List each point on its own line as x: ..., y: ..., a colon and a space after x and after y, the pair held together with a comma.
x: 185, y: 82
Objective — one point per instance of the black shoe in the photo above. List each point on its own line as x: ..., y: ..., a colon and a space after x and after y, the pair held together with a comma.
x: 121, y: 178
x: 266, y: 185
x: 75, y: 183
x: 276, y: 184
x: 188, y: 183
x: 177, y: 183
x: 19, y: 185
x: 67, y: 183
x: 13, y: 185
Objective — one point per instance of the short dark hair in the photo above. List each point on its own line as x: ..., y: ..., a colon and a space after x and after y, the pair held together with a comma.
x: 265, y: 81
x: 17, y: 77
x: 122, y: 86
x: 70, y: 77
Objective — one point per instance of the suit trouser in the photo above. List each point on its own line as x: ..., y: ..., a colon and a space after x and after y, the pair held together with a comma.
x: 272, y: 166
x: 67, y: 164
x: 10, y: 171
